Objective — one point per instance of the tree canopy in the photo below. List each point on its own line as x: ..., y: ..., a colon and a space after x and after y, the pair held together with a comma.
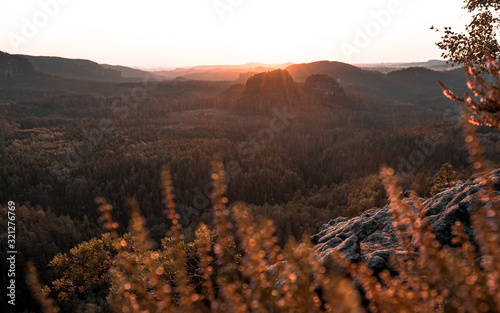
x: 479, y: 39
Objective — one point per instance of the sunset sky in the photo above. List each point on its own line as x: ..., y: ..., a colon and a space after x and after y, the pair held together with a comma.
x: 174, y: 33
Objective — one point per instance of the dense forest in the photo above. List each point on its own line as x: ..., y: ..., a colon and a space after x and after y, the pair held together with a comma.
x: 299, y: 152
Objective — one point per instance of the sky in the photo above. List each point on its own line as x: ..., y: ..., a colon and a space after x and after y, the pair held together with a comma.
x: 176, y: 33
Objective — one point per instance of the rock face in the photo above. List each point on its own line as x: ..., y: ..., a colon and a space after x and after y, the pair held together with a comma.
x: 14, y: 66
x: 371, y: 237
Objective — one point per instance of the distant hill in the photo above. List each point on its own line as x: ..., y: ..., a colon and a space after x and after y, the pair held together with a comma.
x: 219, y: 72
x: 424, y: 77
x: 409, y: 84
x: 14, y: 67
x: 128, y: 73
x: 436, y: 65
x: 85, y: 69
x: 73, y: 68
x: 414, y: 84
x: 16, y: 71
x: 342, y: 71
x: 20, y: 80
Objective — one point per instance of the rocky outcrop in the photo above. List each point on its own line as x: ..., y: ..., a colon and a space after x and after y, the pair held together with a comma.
x: 14, y: 66
x: 323, y: 84
x: 371, y: 237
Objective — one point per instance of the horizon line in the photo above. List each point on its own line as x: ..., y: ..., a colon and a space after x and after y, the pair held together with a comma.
x: 274, y: 64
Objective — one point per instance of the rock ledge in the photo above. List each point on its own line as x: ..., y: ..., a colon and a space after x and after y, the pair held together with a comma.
x: 371, y: 236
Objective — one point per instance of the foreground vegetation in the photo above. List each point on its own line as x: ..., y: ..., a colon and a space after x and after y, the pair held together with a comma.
x: 238, y: 267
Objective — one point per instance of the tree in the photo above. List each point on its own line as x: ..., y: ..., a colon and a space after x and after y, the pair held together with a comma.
x: 445, y: 178
x: 479, y: 37
x: 479, y: 52
x: 83, y: 272
x: 484, y: 111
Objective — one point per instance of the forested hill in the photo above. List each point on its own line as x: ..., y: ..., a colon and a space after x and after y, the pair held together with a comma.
x: 19, y: 79
x: 14, y: 67
x: 86, y: 70
x: 417, y: 84
x: 73, y: 68
x: 17, y: 72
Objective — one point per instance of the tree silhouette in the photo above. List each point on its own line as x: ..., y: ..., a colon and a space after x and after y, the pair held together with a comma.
x: 445, y: 178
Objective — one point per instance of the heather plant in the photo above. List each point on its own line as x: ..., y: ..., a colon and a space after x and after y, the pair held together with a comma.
x: 236, y: 267
x: 264, y: 278
x: 239, y: 267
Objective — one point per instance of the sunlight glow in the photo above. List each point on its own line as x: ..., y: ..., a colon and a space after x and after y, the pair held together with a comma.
x: 177, y: 33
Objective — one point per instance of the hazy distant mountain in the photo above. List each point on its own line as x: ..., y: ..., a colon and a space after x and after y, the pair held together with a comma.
x: 342, y: 71
x: 246, y: 66
x: 415, y: 83
x: 73, y: 68
x: 423, y: 77
x: 19, y: 78
x: 437, y: 65
x: 18, y: 72
x: 128, y: 73
x: 85, y: 69
x: 352, y: 78
x: 218, y: 72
